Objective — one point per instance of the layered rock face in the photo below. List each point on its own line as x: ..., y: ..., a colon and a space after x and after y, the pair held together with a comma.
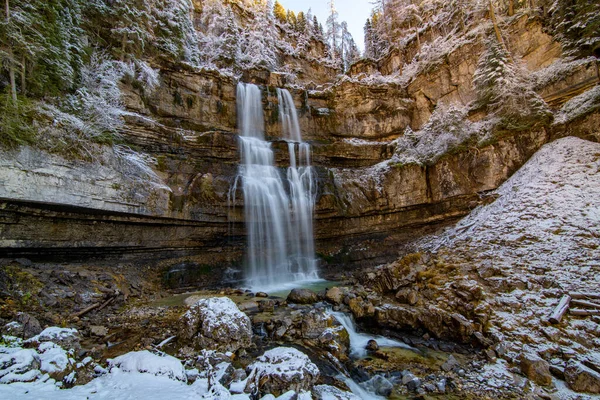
x: 192, y: 210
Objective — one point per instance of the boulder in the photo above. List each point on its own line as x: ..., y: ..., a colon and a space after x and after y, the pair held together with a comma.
x: 535, y: 368
x: 378, y: 385
x: 315, y: 323
x: 335, y: 295
x: 217, y: 324
x: 581, y: 378
x: 372, y: 345
x: 31, y: 326
x: 280, y: 370
x: 302, y: 296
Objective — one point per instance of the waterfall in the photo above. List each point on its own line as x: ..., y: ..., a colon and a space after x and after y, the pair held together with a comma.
x: 359, y: 340
x: 279, y: 226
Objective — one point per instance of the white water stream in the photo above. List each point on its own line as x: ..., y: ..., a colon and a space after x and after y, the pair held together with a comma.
x: 359, y: 340
x: 279, y: 226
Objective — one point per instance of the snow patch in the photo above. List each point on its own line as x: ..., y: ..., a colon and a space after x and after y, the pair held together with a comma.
x: 146, y: 362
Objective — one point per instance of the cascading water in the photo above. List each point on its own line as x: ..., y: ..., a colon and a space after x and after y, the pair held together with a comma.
x: 280, y: 231
x: 359, y: 340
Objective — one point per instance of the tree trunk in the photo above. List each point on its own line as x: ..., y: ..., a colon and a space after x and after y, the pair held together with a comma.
x: 23, y: 77
x: 561, y: 308
x: 11, y: 62
x: 497, y: 30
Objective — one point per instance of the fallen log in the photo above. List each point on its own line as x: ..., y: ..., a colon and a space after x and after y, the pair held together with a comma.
x: 86, y: 310
x: 585, y: 304
x: 107, y: 302
x: 585, y: 295
x: 559, y: 311
x: 584, y: 313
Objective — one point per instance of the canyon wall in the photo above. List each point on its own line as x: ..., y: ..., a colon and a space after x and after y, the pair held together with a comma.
x: 191, y: 212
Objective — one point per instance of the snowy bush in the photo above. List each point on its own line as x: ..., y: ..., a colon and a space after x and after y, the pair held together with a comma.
x: 148, y: 76
x: 448, y: 129
x: 136, y: 166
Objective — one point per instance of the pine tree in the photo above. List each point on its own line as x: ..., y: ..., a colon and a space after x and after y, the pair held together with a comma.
x: 576, y: 23
x: 333, y: 32
x: 301, y: 22
x: 368, y: 31
x: 502, y: 86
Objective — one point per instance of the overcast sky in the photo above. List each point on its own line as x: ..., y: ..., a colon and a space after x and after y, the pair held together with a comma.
x: 354, y: 12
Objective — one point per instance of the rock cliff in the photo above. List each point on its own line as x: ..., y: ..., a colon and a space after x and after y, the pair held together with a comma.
x: 367, y: 205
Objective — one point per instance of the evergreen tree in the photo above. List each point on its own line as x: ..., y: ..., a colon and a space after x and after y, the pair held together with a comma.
x: 41, y: 41
x: 504, y: 89
x: 349, y: 50
x: 301, y: 22
x: 369, y: 47
x: 333, y: 32
x: 576, y: 23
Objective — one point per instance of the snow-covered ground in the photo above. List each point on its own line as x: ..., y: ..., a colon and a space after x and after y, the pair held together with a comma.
x: 538, y: 240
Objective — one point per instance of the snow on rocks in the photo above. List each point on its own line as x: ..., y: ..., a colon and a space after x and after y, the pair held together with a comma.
x: 146, y: 362
x: 327, y: 392
x: 282, y: 369
x: 216, y: 323
x: 19, y: 365
x: 67, y: 338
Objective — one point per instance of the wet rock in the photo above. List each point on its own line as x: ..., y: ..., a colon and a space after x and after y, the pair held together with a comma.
x: 450, y: 364
x: 280, y: 370
x: 216, y: 323
x: 535, y: 368
x: 302, y: 296
x: 372, y: 345
x: 261, y: 294
x: 581, y: 378
x: 335, y: 295
x: 379, y: 385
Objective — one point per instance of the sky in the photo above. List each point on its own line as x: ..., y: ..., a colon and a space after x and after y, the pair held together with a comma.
x: 354, y: 12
